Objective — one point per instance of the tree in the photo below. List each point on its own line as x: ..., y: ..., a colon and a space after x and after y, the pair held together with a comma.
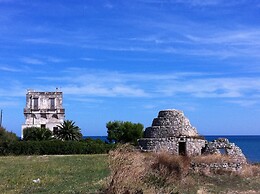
x: 123, y: 132
x: 68, y: 131
x: 36, y: 134
x: 6, y: 136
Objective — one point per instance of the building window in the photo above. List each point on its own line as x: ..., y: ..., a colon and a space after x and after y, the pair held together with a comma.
x: 35, y: 103
x: 52, y: 103
x: 55, y: 116
x: 44, y: 115
x: 43, y: 126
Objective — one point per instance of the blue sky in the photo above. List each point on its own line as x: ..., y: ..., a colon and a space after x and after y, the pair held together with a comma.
x: 126, y: 60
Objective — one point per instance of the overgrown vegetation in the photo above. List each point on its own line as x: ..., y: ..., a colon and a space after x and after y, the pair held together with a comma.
x: 136, y: 172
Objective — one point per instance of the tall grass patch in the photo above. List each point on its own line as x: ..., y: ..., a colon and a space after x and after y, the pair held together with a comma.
x: 135, y: 172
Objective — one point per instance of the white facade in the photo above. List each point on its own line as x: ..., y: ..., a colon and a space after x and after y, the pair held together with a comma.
x: 43, y: 109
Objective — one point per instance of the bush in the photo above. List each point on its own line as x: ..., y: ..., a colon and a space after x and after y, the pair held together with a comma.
x: 54, y: 147
x: 36, y: 134
x: 6, y: 136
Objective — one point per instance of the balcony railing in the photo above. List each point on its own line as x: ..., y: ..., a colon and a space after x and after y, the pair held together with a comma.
x: 30, y: 110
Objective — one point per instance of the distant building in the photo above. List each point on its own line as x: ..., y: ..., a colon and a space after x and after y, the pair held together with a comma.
x: 43, y: 109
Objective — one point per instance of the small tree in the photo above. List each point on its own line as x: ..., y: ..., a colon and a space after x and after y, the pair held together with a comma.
x: 6, y: 136
x: 123, y: 132
x: 36, y: 134
x: 68, y: 131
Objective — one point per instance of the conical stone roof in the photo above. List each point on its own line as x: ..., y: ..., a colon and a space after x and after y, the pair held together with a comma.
x: 170, y: 123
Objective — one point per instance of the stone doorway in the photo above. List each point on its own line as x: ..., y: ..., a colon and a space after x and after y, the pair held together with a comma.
x: 182, y: 148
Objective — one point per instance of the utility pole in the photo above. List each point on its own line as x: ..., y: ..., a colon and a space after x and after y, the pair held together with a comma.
x: 1, y: 118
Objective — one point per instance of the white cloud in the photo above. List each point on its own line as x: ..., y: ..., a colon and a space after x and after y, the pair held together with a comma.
x: 104, y: 91
x: 88, y: 59
x: 200, y: 2
x: 9, y: 69
x: 45, y: 41
x: 244, y: 103
x: 210, y: 2
x: 149, y: 85
x: 54, y: 59
x: 33, y: 61
x: 109, y: 5
x: 8, y: 104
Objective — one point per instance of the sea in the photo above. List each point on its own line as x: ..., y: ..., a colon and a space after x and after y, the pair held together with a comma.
x: 250, y: 144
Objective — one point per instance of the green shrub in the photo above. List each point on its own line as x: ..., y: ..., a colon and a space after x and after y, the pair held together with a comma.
x: 54, y: 147
x: 36, y: 134
x: 6, y: 136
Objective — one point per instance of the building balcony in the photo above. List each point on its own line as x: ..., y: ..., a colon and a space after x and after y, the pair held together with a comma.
x: 31, y: 110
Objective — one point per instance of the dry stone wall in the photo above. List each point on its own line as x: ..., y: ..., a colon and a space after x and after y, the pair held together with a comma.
x: 171, y: 131
x: 170, y: 123
x: 223, y: 146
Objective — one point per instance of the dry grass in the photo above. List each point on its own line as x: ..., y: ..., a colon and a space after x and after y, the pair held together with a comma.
x: 133, y: 172
x: 136, y: 172
x: 169, y: 165
x: 250, y: 171
x: 214, y: 158
x: 127, y: 169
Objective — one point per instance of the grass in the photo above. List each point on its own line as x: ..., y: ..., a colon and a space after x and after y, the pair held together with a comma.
x: 124, y: 170
x: 151, y: 173
x: 57, y: 174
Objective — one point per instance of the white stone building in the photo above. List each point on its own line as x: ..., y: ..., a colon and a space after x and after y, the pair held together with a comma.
x: 43, y: 109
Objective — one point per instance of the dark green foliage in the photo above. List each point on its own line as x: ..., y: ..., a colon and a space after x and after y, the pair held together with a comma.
x: 123, y: 132
x: 68, y: 131
x: 55, y: 147
x: 5, y: 139
x: 36, y: 134
x: 6, y: 136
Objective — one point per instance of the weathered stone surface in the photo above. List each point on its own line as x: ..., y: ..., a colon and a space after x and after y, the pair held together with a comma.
x: 170, y: 123
x: 43, y: 109
x: 223, y: 146
x: 213, y: 167
x: 171, y: 131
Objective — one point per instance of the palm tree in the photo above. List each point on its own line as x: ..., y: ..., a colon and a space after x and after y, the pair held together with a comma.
x: 68, y: 131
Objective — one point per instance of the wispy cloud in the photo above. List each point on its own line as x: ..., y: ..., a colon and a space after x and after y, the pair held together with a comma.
x: 41, y: 60
x: 245, y: 103
x: 104, y: 91
x: 9, y: 103
x: 89, y: 82
x: 10, y: 69
x: 33, y: 61
x: 221, y: 87
x: 45, y: 41
x: 210, y: 2
x: 88, y: 59
x: 109, y: 5
x: 200, y: 2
